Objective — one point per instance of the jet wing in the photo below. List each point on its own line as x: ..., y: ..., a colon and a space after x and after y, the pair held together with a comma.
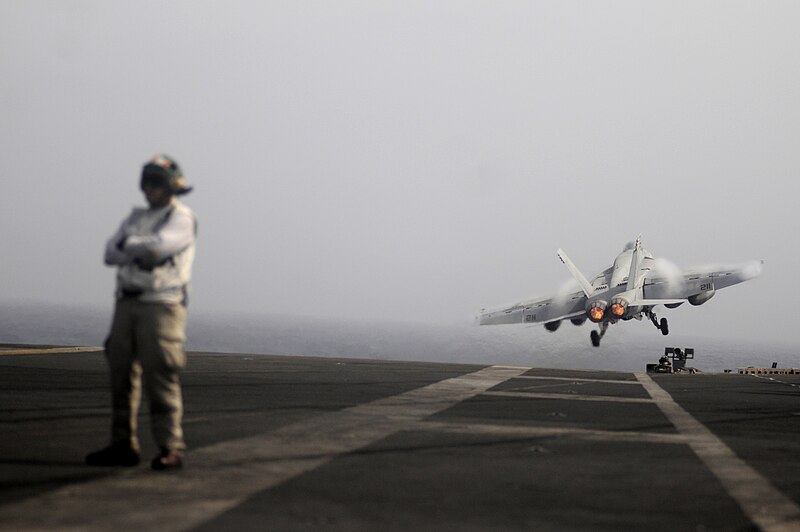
x: 696, y: 281
x: 541, y: 310
x: 722, y: 277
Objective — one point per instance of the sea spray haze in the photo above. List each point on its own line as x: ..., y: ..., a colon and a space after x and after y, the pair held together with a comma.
x: 629, y: 349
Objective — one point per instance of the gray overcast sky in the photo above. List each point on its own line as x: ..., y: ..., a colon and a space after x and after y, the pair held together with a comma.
x: 407, y: 160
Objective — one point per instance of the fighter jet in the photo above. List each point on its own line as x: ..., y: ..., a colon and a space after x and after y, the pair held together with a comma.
x: 629, y: 289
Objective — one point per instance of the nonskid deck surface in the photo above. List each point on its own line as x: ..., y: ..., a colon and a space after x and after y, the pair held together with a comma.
x: 296, y: 443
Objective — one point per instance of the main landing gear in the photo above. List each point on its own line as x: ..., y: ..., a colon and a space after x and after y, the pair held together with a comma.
x: 597, y: 336
x: 662, y: 325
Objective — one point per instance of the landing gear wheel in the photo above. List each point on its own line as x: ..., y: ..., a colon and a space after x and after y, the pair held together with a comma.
x: 595, y: 336
x: 664, y: 326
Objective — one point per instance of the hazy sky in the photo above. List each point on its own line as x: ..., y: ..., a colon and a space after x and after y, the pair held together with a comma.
x: 407, y: 160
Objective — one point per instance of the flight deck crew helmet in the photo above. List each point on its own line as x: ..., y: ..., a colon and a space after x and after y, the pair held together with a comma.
x: 162, y: 171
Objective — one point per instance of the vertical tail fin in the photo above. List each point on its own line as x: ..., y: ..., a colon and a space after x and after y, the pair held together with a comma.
x: 636, y: 262
x: 586, y: 286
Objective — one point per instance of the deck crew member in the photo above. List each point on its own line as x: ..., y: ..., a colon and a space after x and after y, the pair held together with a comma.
x: 153, y: 250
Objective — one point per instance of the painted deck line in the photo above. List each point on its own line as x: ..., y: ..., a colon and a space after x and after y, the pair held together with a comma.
x: 767, y: 507
x: 516, y: 431
x: 568, y: 397
x: 47, y: 350
x: 222, y: 476
x: 578, y: 379
x: 773, y: 379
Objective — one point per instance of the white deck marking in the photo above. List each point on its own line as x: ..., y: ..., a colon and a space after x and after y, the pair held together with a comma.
x: 773, y: 379
x: 11, y: 351
x: 569, y: 397
x: 222, y: 476
x: 578, y: 379
x: 767, y: 507
x: 517, y: 431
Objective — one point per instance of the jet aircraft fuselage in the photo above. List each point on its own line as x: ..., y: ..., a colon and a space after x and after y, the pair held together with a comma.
x: 629, y: 289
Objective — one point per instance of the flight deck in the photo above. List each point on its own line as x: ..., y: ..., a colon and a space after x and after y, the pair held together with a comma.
x: 302, y: 443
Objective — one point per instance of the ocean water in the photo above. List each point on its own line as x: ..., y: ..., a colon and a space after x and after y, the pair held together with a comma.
x: 626, y: 347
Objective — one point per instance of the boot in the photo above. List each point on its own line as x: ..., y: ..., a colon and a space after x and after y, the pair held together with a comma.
x: 167, y: 460
x: 117, y: 454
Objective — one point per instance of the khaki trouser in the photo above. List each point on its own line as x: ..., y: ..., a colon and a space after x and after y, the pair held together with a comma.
x: 147, y: 340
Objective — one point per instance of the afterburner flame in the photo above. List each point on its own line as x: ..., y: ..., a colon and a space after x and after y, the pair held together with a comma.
x: 596, y: 314
x: 618, y: 310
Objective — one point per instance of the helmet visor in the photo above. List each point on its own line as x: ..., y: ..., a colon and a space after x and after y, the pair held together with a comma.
x: 154, y: 180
